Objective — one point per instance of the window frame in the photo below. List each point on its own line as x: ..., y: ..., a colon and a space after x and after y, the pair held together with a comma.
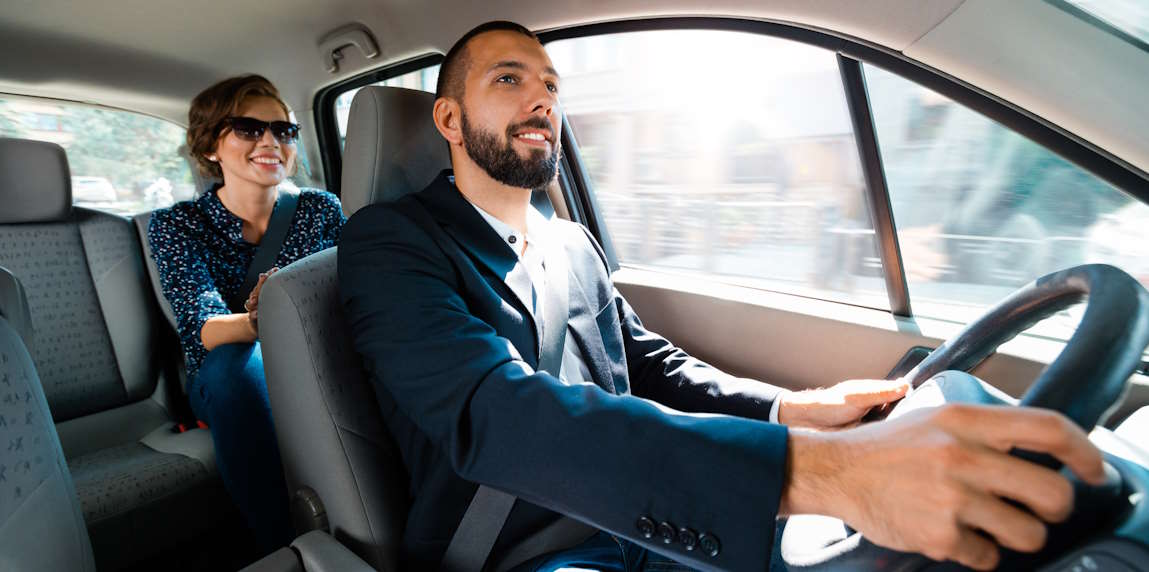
x: 852, y: 53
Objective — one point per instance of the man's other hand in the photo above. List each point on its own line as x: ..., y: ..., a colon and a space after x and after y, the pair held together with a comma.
x: 938, y: 481
x: 838, y: 407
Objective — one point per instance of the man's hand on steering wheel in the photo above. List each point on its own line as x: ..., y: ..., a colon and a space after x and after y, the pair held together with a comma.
x: 935, y: 481
x: 839, y: 407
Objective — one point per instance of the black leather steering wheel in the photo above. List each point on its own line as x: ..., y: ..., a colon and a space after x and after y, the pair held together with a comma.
x: 1084, y: 383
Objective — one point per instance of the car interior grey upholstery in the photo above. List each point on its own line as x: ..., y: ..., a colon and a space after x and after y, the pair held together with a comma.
x: 94, y: 343
x: 332, y: 438
x: 331, y: 432
x: 33, y: 199
x: 141, y: 221
x: 14, y: 304
x: 41, y: 525
x: 314, y: 551
x: 392, y: 146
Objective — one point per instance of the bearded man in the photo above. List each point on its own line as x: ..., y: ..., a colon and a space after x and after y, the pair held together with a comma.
x: 524, y: 392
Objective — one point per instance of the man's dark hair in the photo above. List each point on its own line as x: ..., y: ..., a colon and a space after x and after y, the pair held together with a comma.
x: 453, y: 70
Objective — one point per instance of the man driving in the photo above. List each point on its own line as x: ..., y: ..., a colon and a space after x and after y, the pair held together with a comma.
x: 512, y: 374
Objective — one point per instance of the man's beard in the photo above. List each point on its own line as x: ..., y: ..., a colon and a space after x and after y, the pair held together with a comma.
x: 503, y: 163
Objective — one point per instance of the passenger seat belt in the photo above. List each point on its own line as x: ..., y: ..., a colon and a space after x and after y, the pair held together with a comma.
x: 268, y: 249
x: 477, y: 532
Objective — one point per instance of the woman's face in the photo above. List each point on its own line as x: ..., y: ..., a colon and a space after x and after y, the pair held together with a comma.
x: 266, y: 162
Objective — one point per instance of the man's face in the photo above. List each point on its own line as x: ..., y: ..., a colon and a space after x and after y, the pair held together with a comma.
x: 510, y: 115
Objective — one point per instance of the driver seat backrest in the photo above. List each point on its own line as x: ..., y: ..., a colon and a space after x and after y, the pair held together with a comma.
x: 332, y: 435
x: 41, y: 524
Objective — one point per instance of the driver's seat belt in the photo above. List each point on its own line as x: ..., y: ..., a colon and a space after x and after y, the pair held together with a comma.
x: 477, y: 532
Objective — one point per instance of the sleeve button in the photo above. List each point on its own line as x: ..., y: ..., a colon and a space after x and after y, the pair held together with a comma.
x: 667, y: 532
x: 688, y: 539
x: 645, y: 527
x: 709, y: 544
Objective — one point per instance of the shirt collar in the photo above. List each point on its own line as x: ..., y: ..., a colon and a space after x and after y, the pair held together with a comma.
x: 221, y: 218
x: 536, y: 228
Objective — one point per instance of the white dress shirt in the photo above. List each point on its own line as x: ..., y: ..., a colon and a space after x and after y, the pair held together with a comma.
x: 573, y: 369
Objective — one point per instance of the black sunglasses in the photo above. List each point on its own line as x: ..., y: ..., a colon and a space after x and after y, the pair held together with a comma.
x: 251, y: 129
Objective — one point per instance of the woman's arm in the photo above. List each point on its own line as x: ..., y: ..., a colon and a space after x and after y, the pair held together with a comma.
x: 236, y: 328
x: 188, y: 285
x: 228, y: 329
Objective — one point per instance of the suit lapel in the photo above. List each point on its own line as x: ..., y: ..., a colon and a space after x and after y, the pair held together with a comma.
x: 586, y: 333
x: 460, y: 220
x: 467, y: 228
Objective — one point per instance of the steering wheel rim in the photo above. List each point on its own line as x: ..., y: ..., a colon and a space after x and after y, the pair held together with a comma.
x: 1097, y: 350
x: 1106, y: 349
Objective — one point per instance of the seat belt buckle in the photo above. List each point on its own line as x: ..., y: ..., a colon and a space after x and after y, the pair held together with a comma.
x: 184, y: 427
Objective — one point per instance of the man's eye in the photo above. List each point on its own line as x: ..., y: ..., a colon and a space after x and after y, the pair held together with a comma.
x: 552, y: 87
x: 506, y: 79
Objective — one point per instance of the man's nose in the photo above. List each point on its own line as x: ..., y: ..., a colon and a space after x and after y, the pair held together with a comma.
x: 543, y: 100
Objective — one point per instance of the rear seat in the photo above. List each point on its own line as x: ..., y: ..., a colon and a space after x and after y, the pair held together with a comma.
x: 41, y: 525
x: 96, y: 340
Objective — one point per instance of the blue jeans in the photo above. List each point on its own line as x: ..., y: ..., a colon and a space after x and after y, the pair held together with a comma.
x: 229, y: 393
x: 603, y: 552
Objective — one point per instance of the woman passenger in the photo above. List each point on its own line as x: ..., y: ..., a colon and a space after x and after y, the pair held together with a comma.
x: 238, y: 132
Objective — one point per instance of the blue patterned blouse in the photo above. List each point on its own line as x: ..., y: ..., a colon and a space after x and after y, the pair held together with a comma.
x: 202, y: 257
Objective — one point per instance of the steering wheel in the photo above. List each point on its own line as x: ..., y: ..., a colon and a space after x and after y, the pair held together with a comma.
x: 1085, y: 382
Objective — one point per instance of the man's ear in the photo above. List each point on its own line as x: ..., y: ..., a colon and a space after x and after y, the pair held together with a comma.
x: 449, y: 120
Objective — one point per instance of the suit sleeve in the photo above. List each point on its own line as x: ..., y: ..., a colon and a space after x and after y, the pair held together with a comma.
x: 662, y: 372
x: 605, y: 459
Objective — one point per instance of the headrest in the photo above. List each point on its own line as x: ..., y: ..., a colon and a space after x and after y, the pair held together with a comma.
x: 14, y: 305
x: 35, y: 185
x: 392, y: 146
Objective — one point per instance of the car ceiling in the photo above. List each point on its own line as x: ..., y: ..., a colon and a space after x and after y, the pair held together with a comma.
x: 155, y: 55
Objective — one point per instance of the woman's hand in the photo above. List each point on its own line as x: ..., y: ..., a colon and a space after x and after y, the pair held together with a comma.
x: 236, y: 328
x: 252, y: 303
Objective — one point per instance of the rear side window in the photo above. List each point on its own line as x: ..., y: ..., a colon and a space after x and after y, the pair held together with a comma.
x: 421, y: 79
x: 723, y: 154
x: 121, y: 162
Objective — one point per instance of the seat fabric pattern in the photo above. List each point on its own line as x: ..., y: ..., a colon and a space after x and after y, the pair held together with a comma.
x: 70, y: 345
x: 95, y: 341
x: 331, y: 431
x: 117, y: 480
x: 28, y: 456
x: 40, y: 523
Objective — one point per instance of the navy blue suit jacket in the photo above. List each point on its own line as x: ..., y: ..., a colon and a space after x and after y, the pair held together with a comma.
x: 452, y: 350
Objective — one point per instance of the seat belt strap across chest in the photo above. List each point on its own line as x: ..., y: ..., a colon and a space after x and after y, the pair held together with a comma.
x: 479, y: 530
x: 268, y: 249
